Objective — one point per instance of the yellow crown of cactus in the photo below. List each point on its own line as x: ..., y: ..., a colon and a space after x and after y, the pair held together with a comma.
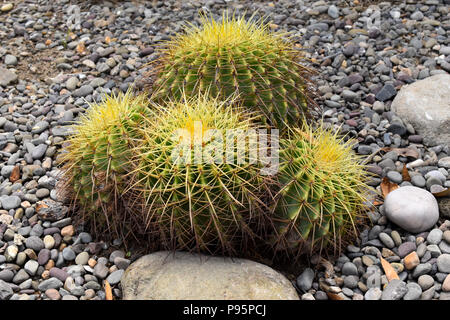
x: 323, y: 191
x: 204, y: 204
x: 237, y: 56
x: 96, y: 158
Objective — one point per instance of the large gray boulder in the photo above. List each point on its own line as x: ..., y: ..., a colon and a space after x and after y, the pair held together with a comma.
x: 411, y: 208
x: 425, y: 104
x: 180, y: 276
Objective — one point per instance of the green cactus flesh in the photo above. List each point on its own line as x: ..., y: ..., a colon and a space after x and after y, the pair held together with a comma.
x: 96, y: 159
x: 198, y: 205
x: 323, y: 190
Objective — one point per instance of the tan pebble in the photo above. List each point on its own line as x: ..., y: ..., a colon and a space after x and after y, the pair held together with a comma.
x: 50, y: 264
x: 45, y: 275
x: 411, y: 260
x: 62, y: 246
x: 53, y: 294
x: 67, y: 231
x: 92, y: 262
x: 446, y: 284
x: 30, y: 254
x: 67, y: 239
x: 7, y: 7
x: 362, y: 286
x: 112, y: 268
x: 47, y: 164
x: 18, y: 214
x: 339, y: 281
x: 25, y: 204
x: 49, y: 242
x: 367, y: 261
x: 89, y: 294
x: 387, y: 253
x: 446, y: 236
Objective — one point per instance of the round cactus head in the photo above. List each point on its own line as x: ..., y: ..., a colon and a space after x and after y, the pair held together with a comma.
x: 96, y: 159
x: 193, y: 195
x: 238, y: 56
x: 323, y: 192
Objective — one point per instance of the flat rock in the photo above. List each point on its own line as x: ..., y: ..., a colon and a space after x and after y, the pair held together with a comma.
x: 7, y: 77
x: 425, y: 104
x: 179, y: 276
x: 411, y: 208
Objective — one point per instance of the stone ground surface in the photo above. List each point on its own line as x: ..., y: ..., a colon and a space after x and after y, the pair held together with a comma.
x: 49, y: 71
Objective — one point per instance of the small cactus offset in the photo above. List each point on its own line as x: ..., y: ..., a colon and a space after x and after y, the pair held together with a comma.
x: 238, y: 56
x: 323, y: 191
x: 96, y: 159
x: 206, y: 204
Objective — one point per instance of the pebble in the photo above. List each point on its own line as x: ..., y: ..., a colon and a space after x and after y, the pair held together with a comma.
x: 67, y: 231
x: 53, y: 294
x: 435, y: 236
x: 7, y: 7
x: 443, y: 263
x: 82, y: 258
x: 422, y: 269
x: 395, y: 177
x: 446, y: 236
x: 304, y: 280
x: 411, y: 260
x: 34, y: 243
x: 31, y: 267
x: 52, y: 283
x: 373, y: 294
x: 100, y: 270
x: 5, y: 290
x: 121, y: 263
x: 412, y: 208
x: 115, y: 277
x: 68, y: 254
x: 414, y: 291
x: 395, y: 290
x: 446, y: 284
x: 387, y: 240
x: 6, y: 275
x: 10, y: 202
x: 405, y: 248
x: 349, y: 269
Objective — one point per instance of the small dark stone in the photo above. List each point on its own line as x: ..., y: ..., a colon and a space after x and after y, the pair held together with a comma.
x: 397, y: 128
x: 387, y: 92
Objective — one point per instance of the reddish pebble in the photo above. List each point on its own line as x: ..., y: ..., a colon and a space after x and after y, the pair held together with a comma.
x: 53, y: 294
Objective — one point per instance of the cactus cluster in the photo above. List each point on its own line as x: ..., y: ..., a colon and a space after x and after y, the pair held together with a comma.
x: 133, y: 167
x: 238, y: 56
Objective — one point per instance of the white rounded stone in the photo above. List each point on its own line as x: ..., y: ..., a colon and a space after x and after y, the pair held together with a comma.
x: 411, y: 208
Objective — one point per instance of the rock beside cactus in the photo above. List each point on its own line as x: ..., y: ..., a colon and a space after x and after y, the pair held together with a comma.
x: 238, y: 56
x: 181, y: 275
x: 323, y: 190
